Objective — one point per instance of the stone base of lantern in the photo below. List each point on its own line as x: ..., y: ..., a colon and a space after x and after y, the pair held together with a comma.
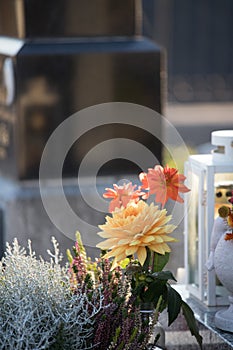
x: 224, y: 318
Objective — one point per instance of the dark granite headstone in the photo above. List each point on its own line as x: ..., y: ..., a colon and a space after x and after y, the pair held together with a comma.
x: 58, y: 57
x: 69, y: 18
x: 76, y: 54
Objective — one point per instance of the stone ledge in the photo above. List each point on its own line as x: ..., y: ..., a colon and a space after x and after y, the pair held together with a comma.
x: 178, y: 337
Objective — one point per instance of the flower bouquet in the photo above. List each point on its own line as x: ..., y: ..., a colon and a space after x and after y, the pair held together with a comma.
x: 134, y: 253
x: 111, y: 303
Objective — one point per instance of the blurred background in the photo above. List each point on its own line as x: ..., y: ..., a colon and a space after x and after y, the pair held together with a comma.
x: 60, y: 56
x: 198, y: 39
x: 174, y: 56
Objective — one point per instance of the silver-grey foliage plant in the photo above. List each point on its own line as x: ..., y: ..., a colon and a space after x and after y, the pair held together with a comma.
x: 37, y: 308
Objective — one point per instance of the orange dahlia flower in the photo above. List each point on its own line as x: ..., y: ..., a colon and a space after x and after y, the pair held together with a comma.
x: 165, y: 183
x: 130, y: 230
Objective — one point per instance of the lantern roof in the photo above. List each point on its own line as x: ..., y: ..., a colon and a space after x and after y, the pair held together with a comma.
x: 223, y: 139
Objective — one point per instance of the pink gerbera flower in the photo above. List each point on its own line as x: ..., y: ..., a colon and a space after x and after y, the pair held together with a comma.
x: 122, y: 195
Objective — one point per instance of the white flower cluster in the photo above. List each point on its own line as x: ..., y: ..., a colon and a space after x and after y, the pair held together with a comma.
x: 38, y: 310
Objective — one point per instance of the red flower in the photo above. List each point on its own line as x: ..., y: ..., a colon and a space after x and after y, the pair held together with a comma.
x: 165, y: 183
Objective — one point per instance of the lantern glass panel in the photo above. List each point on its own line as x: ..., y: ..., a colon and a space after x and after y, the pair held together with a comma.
x: 223, y: 190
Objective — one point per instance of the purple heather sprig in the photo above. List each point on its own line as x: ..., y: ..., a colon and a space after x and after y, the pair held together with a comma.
x: 118, y: 324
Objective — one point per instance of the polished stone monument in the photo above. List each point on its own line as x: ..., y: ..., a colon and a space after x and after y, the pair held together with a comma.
x: 58, y: 57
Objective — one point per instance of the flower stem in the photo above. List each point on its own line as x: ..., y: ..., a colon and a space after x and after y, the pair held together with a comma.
x: 153, y: 262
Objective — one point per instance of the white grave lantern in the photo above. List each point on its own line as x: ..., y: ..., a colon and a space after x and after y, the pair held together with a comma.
x: 210, y: 178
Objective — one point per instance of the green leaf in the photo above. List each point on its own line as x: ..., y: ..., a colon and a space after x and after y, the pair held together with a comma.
x: 174, y: 301
x: 133, y: 335
x: 154, y: 291
x: 159, y: 261
x: 164, y: 275
x: 124, y: 263
x: 191, y: 322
